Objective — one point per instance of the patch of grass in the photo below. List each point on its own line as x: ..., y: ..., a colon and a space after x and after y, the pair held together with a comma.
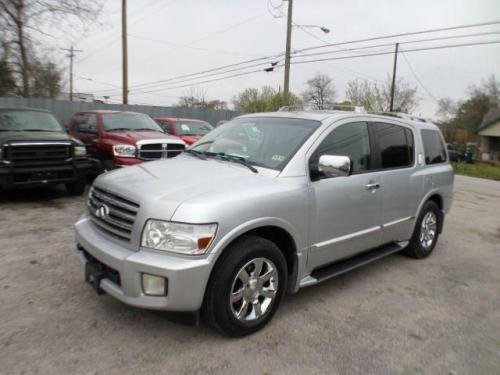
x: 481, y: 170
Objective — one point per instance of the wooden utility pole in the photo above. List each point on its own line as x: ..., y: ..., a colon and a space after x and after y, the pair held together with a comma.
x: 393, y: 86
x: 124, y: 52
x: 71, y: 55
x: 286, y: 84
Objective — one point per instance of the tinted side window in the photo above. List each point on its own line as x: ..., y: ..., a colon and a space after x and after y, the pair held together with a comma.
x: 92, y: 123
x: 395, y: 145
x: 433, y: 147
x: 348, y: 140
x: 80, y: 122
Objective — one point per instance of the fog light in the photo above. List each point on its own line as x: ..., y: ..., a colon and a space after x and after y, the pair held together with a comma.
x: 154, y: 285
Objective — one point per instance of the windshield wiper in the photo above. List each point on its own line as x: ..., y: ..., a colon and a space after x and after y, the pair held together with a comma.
x: 118, y: 129
x: 39, y: 130
x: 146, y: 129
x: 196, y: 153
x: 235, y: 159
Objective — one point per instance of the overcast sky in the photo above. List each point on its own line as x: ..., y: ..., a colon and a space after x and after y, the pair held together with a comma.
x: 194, y: 35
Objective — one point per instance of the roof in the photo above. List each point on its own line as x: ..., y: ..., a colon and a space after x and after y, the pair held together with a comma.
x: 336, y: 115
x: 109, y: 111
x: 492, y: 116
x: 178, y: 119
x: 23, y: 109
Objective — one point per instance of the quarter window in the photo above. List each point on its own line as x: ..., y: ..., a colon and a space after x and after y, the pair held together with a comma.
x: 433, y: 147
x: 350, y: 140
x: 395, y: 145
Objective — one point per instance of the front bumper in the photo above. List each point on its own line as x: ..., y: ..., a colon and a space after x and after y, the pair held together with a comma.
x: 187, y: 277
x: 12, y: 176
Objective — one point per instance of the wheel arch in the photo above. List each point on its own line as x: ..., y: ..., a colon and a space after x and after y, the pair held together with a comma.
x: 275, y: 230
x: 436, y: 197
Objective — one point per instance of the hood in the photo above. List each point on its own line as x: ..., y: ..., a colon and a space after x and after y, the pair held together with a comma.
x: 131, y: 137
x: 14, y: 136
x: 190, y: 139
x: 161, y: 186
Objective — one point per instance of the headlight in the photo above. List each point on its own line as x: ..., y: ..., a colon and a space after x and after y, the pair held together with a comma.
x: 124, y: 151
x: 191, y: 239
x: 80, y: 151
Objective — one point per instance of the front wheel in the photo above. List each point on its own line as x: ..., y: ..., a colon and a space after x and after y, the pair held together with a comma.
x: 246, y: 287
x: 426, y: 232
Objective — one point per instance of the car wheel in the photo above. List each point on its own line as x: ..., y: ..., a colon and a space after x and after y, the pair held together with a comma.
x: 76, y: 188
x: 246, y: 287
x: 426, y: 232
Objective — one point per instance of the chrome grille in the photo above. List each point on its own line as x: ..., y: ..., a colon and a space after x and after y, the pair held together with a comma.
x: 113, y: 214
x: 154, y: 151
x: 38, y: 153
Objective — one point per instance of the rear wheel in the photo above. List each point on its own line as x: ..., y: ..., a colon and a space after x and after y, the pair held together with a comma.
x: 246, y: 287
x: 426, y: 232
x: 76, y: 188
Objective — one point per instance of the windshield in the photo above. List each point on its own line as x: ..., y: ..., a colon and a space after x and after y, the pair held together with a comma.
x: 266, y: 142
x: 129, y: 122
x: 192, y: 127
x: 28, y: 121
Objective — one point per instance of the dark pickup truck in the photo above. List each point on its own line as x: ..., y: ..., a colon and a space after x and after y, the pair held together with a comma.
x: 35, y: 150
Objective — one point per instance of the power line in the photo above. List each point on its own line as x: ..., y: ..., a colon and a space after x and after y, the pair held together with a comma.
x: 408, y: 50
x: 219, y: 71
x: 391, y: 44
x: 325, y: 59
x: 133, y: 22
x: 184, y: 45
x: 143, y: 85
x: 402, y: 34
x: 417, y: 78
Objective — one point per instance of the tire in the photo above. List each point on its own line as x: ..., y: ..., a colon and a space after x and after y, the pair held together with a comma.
x: 428, y: 224
x: 76, y: 188
x: 246, y: 253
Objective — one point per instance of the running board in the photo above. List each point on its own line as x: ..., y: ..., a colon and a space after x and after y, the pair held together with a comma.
x: 327, y: 272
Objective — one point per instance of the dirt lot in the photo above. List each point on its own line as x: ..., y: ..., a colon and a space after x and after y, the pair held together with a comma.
x: 396, y: 316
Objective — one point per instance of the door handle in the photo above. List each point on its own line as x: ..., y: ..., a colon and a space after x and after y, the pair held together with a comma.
x: 373, y: 186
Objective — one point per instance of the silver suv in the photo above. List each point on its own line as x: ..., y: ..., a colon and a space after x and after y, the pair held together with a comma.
x: 262, y: 205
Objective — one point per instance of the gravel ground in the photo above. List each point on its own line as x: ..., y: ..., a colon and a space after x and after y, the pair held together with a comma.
x: 395, y: 316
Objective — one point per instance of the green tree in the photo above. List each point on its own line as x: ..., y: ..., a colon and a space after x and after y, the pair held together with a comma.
x: 267, y: 99
x: 469, y: 113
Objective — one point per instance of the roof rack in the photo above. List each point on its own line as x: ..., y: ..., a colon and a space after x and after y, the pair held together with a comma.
x: 324, y: 108
x: 402, y: 115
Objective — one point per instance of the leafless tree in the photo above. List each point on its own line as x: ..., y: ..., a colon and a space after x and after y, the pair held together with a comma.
x: 376, y: 97
x: 22, y: 22
x: 320, y: 91
x: 193, y: 98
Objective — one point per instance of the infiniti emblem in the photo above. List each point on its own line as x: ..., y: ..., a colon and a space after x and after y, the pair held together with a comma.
x: 102, y: 211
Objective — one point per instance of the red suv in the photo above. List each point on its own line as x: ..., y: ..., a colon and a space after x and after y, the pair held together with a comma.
x: 123, y: 138
x: 189, y: 130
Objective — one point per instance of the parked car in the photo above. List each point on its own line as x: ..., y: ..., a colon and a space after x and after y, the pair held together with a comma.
x: 189, y: 130
x: 120, y: 139
x: 35, y: 150
x: 454, y: 153
x: 264, y: 204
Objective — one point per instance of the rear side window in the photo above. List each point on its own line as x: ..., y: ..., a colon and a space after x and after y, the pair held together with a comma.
x: 433, y: 147
x: 394, y: 145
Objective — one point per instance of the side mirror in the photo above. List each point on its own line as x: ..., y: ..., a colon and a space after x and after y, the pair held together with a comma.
x: 334, y: 165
